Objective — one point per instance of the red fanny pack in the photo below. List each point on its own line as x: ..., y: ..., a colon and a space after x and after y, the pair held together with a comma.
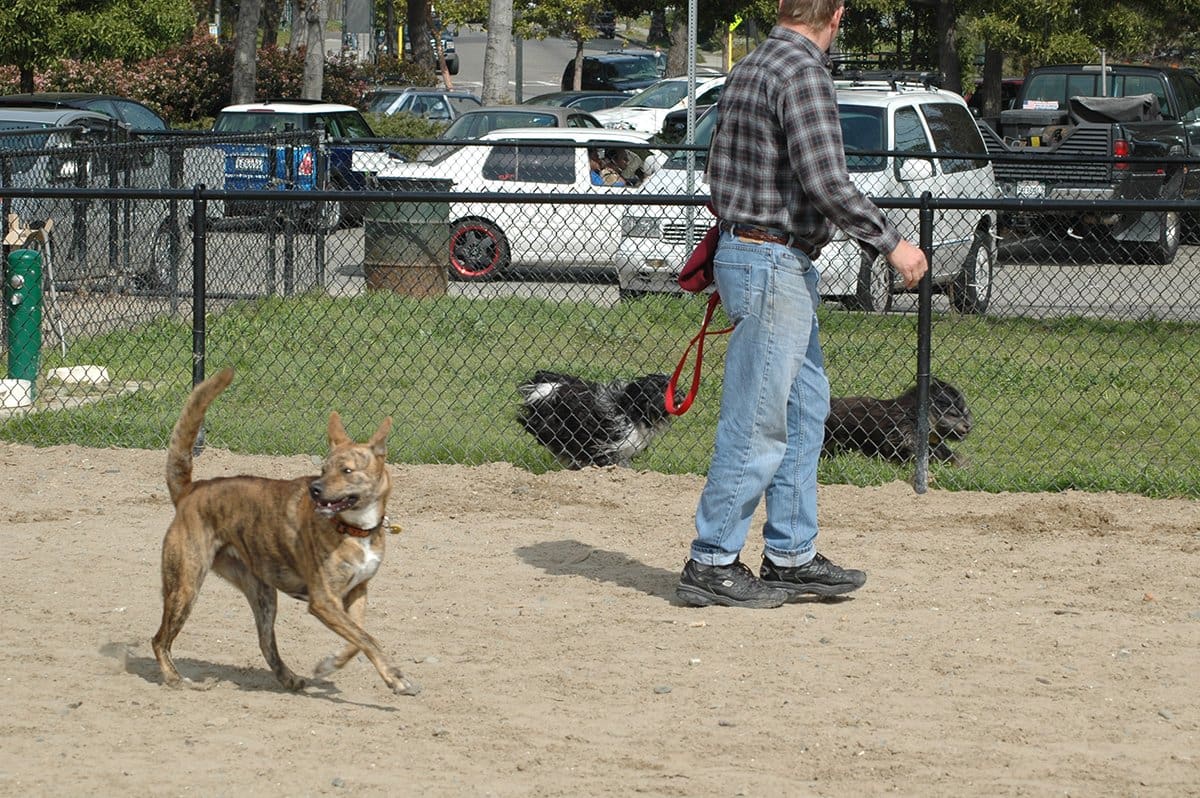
x: 697, y: 272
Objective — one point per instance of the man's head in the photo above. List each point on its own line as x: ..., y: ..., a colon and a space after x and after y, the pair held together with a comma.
x: 814, y: 14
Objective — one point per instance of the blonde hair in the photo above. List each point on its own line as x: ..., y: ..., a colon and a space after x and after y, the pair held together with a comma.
x: 816, y: 14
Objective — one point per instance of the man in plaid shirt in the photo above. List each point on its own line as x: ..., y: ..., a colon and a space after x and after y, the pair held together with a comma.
x: 777, y: 172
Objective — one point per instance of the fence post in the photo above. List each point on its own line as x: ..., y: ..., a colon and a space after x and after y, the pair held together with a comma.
x: 199, y: 292
x: 924, y: 334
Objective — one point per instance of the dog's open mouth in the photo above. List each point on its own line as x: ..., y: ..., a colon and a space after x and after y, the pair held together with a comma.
x: 331, y: 507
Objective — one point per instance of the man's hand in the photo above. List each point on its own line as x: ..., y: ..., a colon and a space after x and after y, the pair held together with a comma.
x: 909, y: 262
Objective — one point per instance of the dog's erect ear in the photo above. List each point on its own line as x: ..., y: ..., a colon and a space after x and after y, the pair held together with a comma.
x: 378, y: 442
x: 337, y: 432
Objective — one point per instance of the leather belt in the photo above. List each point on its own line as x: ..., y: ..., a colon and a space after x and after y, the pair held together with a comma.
x: 771, y: 235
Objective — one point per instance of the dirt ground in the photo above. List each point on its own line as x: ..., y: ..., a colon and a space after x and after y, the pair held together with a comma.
x: 1010, y: 644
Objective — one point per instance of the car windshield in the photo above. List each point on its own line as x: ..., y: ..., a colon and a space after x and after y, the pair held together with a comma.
x: 472, y: 126
x: 380, y: 101
x: 666, y: 94
x: 634, y: 68
x: 257, y: 122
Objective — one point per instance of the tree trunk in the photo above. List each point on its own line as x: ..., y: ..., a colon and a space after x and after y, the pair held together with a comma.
x: 272, y: 12
x: 677, y: 53
x: 497, y: 53
x: 26, y: 72
x: 418, y: 33
x: 947, y: 32
x: 245, y: 52
x: 658, y: 27
x: 296, y: 39
x: 577, y: 76
x: 389, y: 30
x: 314, y: 54
x: 993, y: 66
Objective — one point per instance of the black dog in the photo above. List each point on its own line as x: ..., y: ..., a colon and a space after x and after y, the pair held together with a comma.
x: 588, y: 423
x: 887, y: 428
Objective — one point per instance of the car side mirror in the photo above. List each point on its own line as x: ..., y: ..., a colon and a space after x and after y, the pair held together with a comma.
x: 914, y: 169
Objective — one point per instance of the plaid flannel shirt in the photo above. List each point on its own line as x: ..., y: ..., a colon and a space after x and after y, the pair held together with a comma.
x: 777, y: 159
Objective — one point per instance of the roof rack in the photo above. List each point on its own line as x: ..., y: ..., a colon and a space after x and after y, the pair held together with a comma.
x: 893, y: 77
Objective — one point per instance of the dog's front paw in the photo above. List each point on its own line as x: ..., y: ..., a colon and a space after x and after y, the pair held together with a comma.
x: 401, y: 685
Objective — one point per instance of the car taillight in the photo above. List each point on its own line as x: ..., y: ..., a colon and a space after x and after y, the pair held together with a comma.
x: 306, y: 164
x: 1121, y: 149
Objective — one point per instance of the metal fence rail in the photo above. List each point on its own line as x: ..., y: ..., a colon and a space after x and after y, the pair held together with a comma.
x: 1077, y: 367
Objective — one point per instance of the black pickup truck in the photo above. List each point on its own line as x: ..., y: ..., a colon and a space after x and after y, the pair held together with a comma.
x: 1126, y: 136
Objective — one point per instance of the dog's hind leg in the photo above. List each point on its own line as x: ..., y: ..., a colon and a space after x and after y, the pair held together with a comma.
x: 264, y: 601
x: 183, y: 572
x: 355, y: 603
x: 328, y: 609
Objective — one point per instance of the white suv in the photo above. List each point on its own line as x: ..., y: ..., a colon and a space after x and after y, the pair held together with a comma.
x: 876, y: 117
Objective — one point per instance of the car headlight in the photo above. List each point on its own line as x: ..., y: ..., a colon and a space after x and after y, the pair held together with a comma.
x: 619, y: 125
x: 641, y: 226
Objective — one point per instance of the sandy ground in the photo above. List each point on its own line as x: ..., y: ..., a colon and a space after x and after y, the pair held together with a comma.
x: 1011, y: 644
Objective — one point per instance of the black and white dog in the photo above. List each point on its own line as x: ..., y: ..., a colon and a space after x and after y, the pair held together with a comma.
x: 588, y: 423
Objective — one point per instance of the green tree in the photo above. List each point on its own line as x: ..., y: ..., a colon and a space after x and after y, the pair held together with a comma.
x: 568, y: 19
x: 35, y: 33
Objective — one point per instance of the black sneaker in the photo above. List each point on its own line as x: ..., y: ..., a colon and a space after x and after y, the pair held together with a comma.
x: 819, y: 577
x: 732, y: 585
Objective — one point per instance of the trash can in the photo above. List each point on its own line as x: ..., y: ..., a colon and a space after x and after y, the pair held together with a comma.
x: 406, y: 245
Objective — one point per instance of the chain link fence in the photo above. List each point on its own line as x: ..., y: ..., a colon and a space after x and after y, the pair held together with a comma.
x: 1066, y: 332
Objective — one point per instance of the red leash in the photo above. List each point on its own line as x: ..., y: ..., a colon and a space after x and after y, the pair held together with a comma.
x: 697, y: 342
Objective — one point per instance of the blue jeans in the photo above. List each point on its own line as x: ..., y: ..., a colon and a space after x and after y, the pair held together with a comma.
x: 773, y: 406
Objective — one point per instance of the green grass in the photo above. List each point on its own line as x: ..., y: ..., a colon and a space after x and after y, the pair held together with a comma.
x: 1095, y: 405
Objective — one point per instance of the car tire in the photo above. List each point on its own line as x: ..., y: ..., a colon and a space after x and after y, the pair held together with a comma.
x: 1170, y: 235
x: 478, y: 250
x: 971, y: 290
x: 161, y: 275
x: 875, y: 281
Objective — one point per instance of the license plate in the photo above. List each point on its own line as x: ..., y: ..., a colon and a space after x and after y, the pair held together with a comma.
x: 248, y: 164
x: 1031, y: 189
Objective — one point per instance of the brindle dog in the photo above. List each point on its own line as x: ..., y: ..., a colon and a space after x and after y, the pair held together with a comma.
x: 887, y: 428
x: 319, y: 539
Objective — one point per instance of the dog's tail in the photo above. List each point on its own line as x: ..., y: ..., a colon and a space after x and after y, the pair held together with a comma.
x: 183, y: 437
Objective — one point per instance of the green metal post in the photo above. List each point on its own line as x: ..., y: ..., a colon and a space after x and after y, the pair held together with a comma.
x: 23, y: 304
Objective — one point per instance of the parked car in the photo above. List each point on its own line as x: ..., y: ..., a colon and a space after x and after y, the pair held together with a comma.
x: 606, y: 24
x: 473, y: 124
x: 489, y: 239
x: 253, y: 165
x: 49, y: 130
x: 611, y: 72
x: 478, y: 123
x: 647, y: 110
x: 67, y: 147
x: 590, y: 101
x: 436, y: 105
x: 133, y: 114
x: 909, y: 120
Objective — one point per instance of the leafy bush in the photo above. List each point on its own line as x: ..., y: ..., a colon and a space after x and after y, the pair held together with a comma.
x: 404, y: 126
